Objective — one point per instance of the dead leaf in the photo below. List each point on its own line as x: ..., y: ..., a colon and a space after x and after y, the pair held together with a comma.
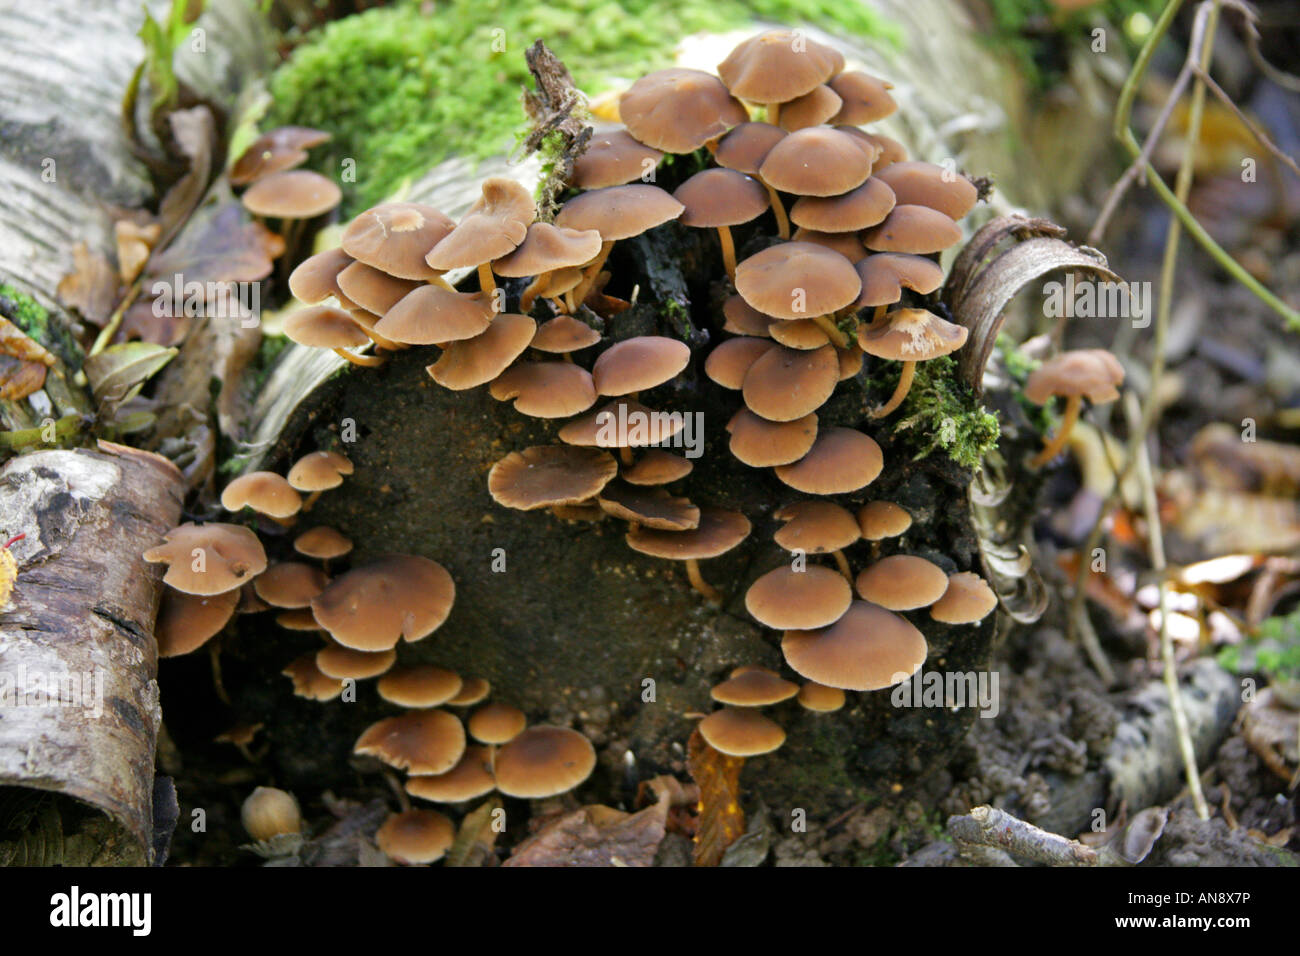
x: 195, y: 134
x: 476, y: 837
x: 119, y: 372
x: 596, y: 836
x: 91, y: 287
x: 23, y: 362
x: 134, y: 243
x: 722, y: 821
x: 221, y: 244
x: 1270, y: 730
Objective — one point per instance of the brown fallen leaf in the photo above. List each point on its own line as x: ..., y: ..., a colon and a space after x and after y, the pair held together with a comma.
x: 221, y: 243
x: 134, y: 243
x: 91, y: 287
x: 23, y: 362
x: 194, y: 132
x: 722, y: 821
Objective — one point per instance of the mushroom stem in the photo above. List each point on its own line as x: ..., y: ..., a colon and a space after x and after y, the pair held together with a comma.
x: 843, y: 564
x: 570, y: 306
x: 625, y: 455
x: 778, y: 207
x: 442, y: 283
x: 535, y: 288
x: 387, y: 345
x: 403, y: 801
x: 1054, y: 445
x: 900, y: 393
x: 369, y: 361
x: 698, y: 582
x: 214, y: 655
x: 487, y: 283
x: 773, y: 111
x: 728, y: 251
x: 879, y: 313
x: 589, y: 275
x: 311, y: 500
x: 827, y: 325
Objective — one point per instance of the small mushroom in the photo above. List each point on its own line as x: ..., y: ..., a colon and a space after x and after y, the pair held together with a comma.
x: 274, y: 151
x: 785, y: 598
x: 909, y: 336
x: 430, y: 315
x: 902, y: 582
x: 419, y: 742
x: 816, y: 162
x: 477, y: 361
x: 869, y: 648
x: 469, y: 779
x: 818, y: 527
x: 776, y: 67
x: 545, y: 250
x: 864, y: 98
x: 345, y: 663
x: 415, y: 837
x: 543, y: 761
x: 859, y: 208
x: 322, y: 543
x: 717, y: 533
x: 819, y: 698
x: 842, y: 460
x: 394, y: 238
x: 472, y: 690
x: 210, y: 558
x: 545, y: 389
x: 372, y: 607
x: 188, y: 621
x: 496, y: 723
x: 420, y: 686
x: 760, y: 443
x: 494, y: 227
x: 753, y: 687
x: 1094, y: 374
x: 785, y: 384
x: 925, y: 184
x: 741, y: 732
x: 679, y: 110
x: 812, y: 109
x: 310, y: 681
x: 548, y: 475
x: 268, y: 813
x: 800, y: 280
x: 639, y: 363
x: 967, y: 600
x: 719, y: 199
x: 613, y: 158
x: 744, y: 149
x: 289, y: 584
x: 919, y: 230
x: 264, y: 492
x: 325, y: 327
x: 318, y: 471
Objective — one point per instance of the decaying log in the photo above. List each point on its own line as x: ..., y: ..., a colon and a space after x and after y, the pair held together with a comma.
x: 79, y: 705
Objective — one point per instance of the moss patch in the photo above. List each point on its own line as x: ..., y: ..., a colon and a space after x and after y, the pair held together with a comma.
x: 940, y: 414
x: 401, y: 89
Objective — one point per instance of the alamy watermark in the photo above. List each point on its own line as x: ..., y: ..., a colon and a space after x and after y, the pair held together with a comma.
x: 24, y: 688
x: 1094, y: 299
x: 176, y: 297
x: 638, y: 429
x: 951, y: 690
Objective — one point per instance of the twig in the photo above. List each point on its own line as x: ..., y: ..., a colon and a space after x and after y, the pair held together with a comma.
x: 1156, y: 540
x: 1177, y: 205
x: 989, y: 827
x: 1255, y: 130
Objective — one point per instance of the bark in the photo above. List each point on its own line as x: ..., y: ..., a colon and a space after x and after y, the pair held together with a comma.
x: 84, y: 605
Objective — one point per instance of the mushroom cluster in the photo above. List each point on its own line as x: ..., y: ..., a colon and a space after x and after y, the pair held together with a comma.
x: 362, y: 615
x: 779, y: 131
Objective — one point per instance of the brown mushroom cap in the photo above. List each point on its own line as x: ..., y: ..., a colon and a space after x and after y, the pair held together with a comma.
x: 656, y: 467
x: 545, y: 389
x: 416, y: 836
x: 544, y: 761
x: 717, y: 533
x: 298, y: 619
x: 372, y: 289
x: 745, y: 147
x: 914, y: 229
x: 846, y: 244
x: 864, y: 98
x: 652, y: 507
x: 419, y: 742
x: 473, y: 690
x: 431, y: 315
x: 797, y: 280
x: 548, y: 475
x: 324, y: 327
x: 754, y: 687
x: 292, y: 194
x: 275, y: 150
x: 392, y: 597
x: 819, y: 698
x: 888, y: 151
x: 925, y: 184
x: 784, y: 384
x: 230, y: 553
x: 612, y: 158
x: 547, y: 247
x: 868, y: 648
x: 419, y: 686
x: 477, y: 361
x: 841, y: 460
x: 856, y: 209
x: 494, y: 226
x: 469, y: 779
x: 394, y: 238
x: 289, y: 584
x: 902, y: 582
x: 883, y: 519
x: 721, y: 197
x: 496, y: 723
x: 967, y: 600
x: 818, y: 161
x: 319, y: 471
x: 1092, y: 373
x: 886, y: 274
x: 911, y: 335
x: 760, y: 443
x: 813, y: 108
x: 188, y: 621
x: 564, y: 334
x: 316, y: 278
x: 323, y: 543
x: 619, y: 212
x: 743, y: 319
x: 816, y: 527
x: 678, y: 110
x: 731, y: 359
x: 265, y: 492
x: 741, y: 732
x: 799, y: 334
x: 850, y: 362
x: 777, y: 66
x: 785, y: 598
x: 594, y: 428
x: 310, y: 682
x: 639, y: 363
x: 343, y: 663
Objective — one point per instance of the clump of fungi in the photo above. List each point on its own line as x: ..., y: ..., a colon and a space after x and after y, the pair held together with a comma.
x: 834, y: 257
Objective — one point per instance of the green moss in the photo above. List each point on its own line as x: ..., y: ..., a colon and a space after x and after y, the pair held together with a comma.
x: 401, y: 90
x: 939, y: 413
x: 1018, y: 366
x: 24, y: 311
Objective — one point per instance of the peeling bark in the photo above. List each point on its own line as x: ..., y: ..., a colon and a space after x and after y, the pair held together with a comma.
x: 83, y: 607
